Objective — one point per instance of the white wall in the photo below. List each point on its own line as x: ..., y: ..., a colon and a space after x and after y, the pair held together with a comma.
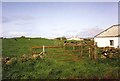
x: 103, y: 42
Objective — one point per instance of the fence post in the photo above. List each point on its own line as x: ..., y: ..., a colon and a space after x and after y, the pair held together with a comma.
x: 92, y: 53
x: 43, y: 49
x: 95, y: 54
x: 81, y: 51
x: 64, y: 46
x: 31, y: 50
x: 73, y: 47
x: 89, y: 52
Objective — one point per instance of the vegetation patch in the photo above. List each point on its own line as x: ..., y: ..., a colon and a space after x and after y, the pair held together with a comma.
x: 24, y: 67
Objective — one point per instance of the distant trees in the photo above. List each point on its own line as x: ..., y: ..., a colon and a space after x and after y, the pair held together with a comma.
x: 61, y: 38
x: 1, y: 37
x: 22, y: 37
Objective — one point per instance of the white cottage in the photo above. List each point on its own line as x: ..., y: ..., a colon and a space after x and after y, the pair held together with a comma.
x: 109, y: 37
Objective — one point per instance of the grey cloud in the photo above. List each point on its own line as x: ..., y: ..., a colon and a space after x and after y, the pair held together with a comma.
x: 24, y: 17
x: 7, y: 19
x: 90, y: 32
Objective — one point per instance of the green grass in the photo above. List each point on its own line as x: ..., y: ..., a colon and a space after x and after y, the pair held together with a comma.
x: 22, y: 45
x: 52, y: 68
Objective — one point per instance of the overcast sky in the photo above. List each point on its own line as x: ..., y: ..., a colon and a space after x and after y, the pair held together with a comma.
x: 56, y: 19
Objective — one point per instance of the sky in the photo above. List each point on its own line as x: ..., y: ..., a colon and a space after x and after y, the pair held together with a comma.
x: 57, y: 19
x: 60, y: 0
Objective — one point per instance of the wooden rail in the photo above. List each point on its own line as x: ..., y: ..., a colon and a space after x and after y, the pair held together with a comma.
x: 62, y: 51
x: 78, y: 45
x: 46, y: 47
x: 73, y: 59
x: 66, y: 55
x: 91, y: 50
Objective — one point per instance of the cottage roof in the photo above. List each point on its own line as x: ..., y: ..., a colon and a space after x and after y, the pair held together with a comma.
x: 113, y: 31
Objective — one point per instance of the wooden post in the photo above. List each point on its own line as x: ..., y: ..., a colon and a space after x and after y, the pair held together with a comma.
x: 31, y: 50
x: 95, y: 54
x: 89, y: 52
x: 73, y: 47
x: 64, y: 48
x: 81, y: 51
x: 92, y: 53
x: 43, y: 49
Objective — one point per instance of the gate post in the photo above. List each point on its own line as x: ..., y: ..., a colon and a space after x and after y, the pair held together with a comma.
x: 81, y: 51
x: 89, y: 52
x: 95, y: 51
x: 43, y: 49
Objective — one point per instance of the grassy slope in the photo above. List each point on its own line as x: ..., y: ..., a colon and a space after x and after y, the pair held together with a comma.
x: 12, y: 47
x: 51, y: 68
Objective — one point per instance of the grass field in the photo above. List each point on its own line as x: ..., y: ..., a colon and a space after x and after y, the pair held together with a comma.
x: 50, y: 67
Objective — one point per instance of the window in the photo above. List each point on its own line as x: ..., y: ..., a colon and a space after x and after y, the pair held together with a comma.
x: 111, y: 42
